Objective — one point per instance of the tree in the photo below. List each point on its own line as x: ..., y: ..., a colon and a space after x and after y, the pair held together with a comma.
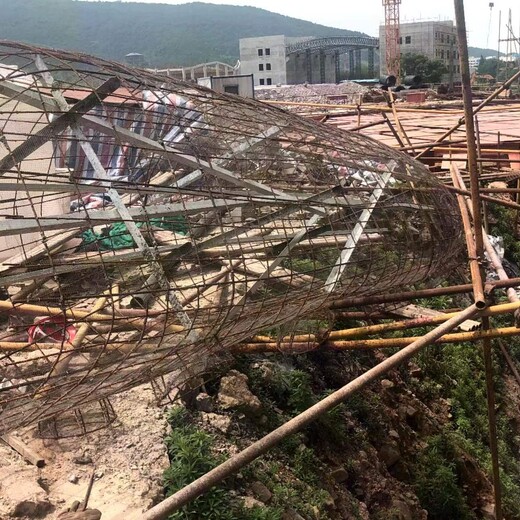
x: 431, y: 71
x: 488, y: 66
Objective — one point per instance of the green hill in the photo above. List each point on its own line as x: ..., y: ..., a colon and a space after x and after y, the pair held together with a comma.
x: 167, y: 35
x: 477, y: 52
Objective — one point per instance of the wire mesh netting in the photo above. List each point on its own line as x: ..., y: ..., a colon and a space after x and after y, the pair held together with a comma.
x: 148, y: 226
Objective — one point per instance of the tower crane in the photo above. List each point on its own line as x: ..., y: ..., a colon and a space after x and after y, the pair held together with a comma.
x: 392, y: 46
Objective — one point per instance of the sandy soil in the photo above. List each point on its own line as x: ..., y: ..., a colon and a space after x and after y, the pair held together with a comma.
x: 129, y: 459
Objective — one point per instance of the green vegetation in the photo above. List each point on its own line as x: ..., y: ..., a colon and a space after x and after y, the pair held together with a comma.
x: 456, y: 373
x: 431, y: 71
x: 491, y: 66
x: 167, y: 35
x: 293, y: 484
x: 437, y: 484
x: 190, y: 455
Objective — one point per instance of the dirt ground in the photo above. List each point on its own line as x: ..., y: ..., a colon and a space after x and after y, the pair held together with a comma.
x: 129, y: 458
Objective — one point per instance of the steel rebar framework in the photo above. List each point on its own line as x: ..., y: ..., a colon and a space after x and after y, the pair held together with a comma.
x: 149, y: 225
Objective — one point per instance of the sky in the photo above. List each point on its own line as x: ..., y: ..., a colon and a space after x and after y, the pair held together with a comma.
x: 337, y: 13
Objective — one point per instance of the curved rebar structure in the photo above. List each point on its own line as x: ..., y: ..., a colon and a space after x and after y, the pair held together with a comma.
x: 149, y: 225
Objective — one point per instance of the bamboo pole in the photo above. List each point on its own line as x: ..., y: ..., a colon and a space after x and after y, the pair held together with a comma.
x: 492, y: 254
x: 74, y: 315
x: 370, y: 344
x: 478, y: 231
x: 203, y: 484
x: 362, y: 301
x: 70, y: 349
x: 496, y: 310
x: 473, y: 257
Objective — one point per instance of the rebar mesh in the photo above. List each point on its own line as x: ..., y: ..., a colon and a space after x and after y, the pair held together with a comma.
x: 149, y: 225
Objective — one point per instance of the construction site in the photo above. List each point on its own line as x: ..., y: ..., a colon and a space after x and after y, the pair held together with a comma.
x: 302, y: 305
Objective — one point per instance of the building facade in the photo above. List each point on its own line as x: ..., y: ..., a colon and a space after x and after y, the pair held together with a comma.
x: 283, y: 60
x: 435, y: 39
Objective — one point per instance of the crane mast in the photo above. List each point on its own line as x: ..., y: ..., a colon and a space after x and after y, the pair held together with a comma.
x: 392, y: 47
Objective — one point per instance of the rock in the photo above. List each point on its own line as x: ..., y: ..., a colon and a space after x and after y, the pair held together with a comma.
x: 291, y: 514
x: 389, y: 454
x: 24, y: 496
x: 488, y: 511
x: 387, y: 384
x: 393, y: 435
x: 415, y: 371
x: 401, y: 471
x: 221, y: 423
x: 401, y: 511
x: 251, y: 503
x: 358, y: 492
x: 204, y: 403
x: 363, y: 511
x: 328, y: 502
x: 261, y: 492
x: 411, y: 412
x: 73, y: 479
x: 82, y: 459
x: 234, y: 394
x: 89, y: 514
x: 99, y: 474
x: 339, y: 474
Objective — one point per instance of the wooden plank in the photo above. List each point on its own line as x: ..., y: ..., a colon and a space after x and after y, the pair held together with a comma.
x: 25, y: 451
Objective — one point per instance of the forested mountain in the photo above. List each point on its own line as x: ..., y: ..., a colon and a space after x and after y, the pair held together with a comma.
x: 167, y: 35
x: 477, y: 52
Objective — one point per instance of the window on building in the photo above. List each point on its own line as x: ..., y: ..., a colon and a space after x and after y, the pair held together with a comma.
x: 400, y: 40
x: 261, y: 67
x: 262, y: 81
x: 436, y: 35
x: 448, y: 54
x: 231, y: 89
x: 267, y: 66
x: 442, y: 53
x: 268, y: 52
x: 269, y: 81
x: 408, y: 39
x: 260, y: 52
x: 442, y: 37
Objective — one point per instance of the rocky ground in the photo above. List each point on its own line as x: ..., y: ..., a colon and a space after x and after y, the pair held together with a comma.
x: 128, y: 458
x: 358, y: 463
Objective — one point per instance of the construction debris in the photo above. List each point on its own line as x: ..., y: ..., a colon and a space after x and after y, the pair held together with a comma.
x: 154, y: 225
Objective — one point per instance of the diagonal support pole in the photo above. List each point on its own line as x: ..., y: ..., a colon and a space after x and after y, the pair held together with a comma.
x: 70, y: 117
x: 148, y: 254
x: 355, y: 235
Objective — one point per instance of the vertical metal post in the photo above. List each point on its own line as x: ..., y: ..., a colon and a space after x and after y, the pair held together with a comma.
x: 337, y: 71
x: 371, y: 60
x: 469, y: 121
x: 498, y: 46
x: 479, y: 240
x: 357, y: 53
x: 322, y: 67
x: 308, y: 62
x: 351, y: 64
